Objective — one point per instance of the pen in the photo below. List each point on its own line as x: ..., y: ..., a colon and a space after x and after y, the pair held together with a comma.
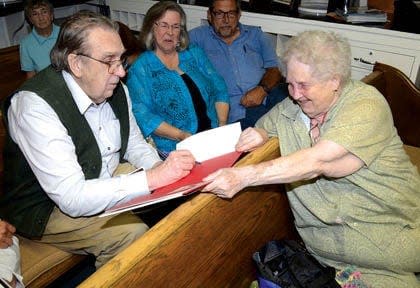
x: 163, y: 155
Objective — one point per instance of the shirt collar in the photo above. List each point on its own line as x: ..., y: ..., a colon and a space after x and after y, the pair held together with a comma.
x: 82, y: 100
x: 41, y: 39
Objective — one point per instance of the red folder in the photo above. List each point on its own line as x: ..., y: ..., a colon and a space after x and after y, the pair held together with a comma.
x: 191, y: 183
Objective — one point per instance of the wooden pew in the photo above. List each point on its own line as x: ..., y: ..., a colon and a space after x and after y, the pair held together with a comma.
x: 205, y: 242
x: 42, y: 264
x: 404, y: 100
x: 208, y: 241
x: 11, y: 76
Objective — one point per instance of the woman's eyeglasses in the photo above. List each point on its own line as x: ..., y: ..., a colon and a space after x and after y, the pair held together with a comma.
x: 165, y: 26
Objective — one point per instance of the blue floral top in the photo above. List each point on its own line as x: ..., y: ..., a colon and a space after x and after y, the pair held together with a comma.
x: 159, y: 94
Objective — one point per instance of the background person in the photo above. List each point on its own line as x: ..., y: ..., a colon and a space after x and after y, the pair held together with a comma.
x: 174, y: 88
x: 69, y: 128
x: 352, y: 188
x: 246, y: 59
x: 130, y: 42
x: 36, y: 46
x: 9, y: 257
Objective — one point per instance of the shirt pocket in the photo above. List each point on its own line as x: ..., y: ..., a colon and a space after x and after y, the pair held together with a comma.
x: 109, y: 139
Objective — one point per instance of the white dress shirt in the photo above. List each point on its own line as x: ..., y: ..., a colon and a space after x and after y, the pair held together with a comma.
x: 10, y: 263
x: 50, y: 152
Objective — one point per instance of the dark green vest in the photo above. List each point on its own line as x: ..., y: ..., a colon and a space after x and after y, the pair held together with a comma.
x: 24, y: 203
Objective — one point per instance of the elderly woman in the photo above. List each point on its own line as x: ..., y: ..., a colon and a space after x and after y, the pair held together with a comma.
x: 175, y: 90
x: 353, y: 190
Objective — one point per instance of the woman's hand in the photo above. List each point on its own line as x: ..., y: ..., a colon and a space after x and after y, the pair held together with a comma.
x: 225, y: 183
x: 250, y: 139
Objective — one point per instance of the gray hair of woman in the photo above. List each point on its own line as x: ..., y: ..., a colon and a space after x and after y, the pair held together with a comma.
x: 153, y: 15
x: 74, y: 34
x: 326, y: 53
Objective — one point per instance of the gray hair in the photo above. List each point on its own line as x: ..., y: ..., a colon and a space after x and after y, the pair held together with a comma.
x: 153, y: 15
x: 73, y: 36
x: 327, y: 53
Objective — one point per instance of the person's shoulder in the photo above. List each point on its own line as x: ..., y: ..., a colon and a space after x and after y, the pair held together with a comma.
x: 56, y: 29
x: 251, y: 28
x: 145, y: 61
x: 143, y: 57
x: 193, y: 48
x: 200, y: 30
x: 200, y: 33
x: 361, y: 96
x: 27, y: 39
x: 359, y: 90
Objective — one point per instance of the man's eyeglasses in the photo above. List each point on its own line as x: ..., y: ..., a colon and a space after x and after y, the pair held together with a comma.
x: 112, y: 65
x: 222, y: 14
x: 165, y: 26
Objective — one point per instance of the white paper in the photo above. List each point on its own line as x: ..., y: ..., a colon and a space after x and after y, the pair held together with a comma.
x: 212, y: 143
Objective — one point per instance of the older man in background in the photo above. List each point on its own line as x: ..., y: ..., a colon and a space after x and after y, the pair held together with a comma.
x: 246, y: 59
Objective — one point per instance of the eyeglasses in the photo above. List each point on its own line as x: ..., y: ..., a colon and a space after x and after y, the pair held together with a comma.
x: 222, y: 14
x: 112, y: 65
x: 165, y: 26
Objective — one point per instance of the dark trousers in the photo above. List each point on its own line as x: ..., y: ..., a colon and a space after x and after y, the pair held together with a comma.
x: 276, y: 95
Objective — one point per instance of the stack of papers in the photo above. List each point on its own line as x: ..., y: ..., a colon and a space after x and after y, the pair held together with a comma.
x: 213, y: 149
x: 366, y: 16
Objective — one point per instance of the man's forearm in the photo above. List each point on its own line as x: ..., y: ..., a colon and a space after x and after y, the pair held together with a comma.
x: 270, y: 79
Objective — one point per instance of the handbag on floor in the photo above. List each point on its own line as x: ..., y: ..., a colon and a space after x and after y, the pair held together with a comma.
x: 287, y: 264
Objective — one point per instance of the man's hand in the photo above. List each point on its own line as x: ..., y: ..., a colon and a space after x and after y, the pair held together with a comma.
x: 253, y: 97
x: 6, y: 233
x: 250, y: 139
x: 178, y: 165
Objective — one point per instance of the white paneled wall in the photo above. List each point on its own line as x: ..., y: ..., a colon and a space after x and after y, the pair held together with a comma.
x: 399, y: 49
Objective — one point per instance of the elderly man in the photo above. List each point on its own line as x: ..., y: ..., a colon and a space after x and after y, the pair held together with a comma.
x: 70, y: 126
x: 36, y: 46
x: 244, y: 56
x: 352, y: 189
